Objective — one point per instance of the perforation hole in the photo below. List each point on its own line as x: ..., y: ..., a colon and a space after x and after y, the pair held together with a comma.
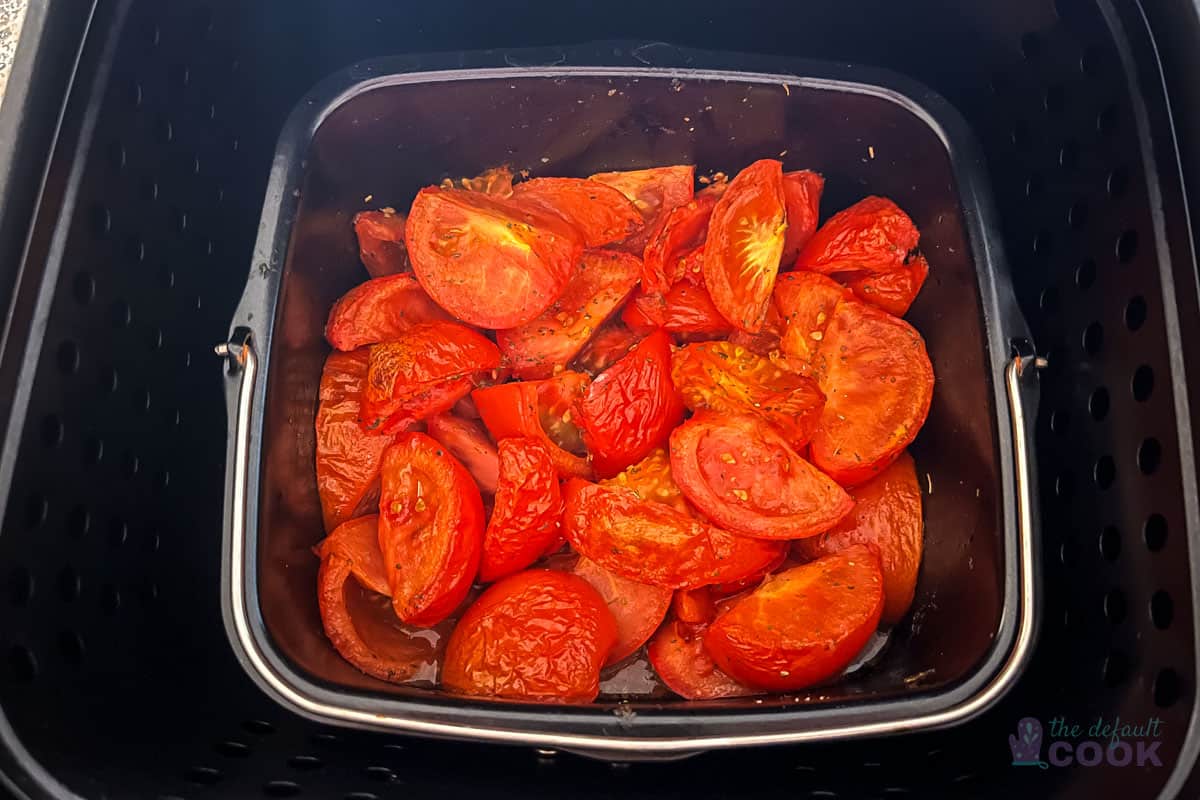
x: 141, y: 400
x: 52, y: 431
x: 68, y: 357
x: 70, y: 585
x: 1093, y: 338
x: 1031, y: 46
x: 233, y: 749
x: 110, y: 599
x: 1110, y: 543
x: 1117, y: 182
x: 1167, y: 688
x: 1149, y: 455
x: 84, y: 288
x: 1043, y: 244
x: 1048, y: 301
x: 1115, y: 669
x: 258, y: 727
x: 118, y: 532
x: 130, y: 464
x: 1114, y: 606
x: 1060, y: 421
x: 22, y: 665
x: 1085, y: 274
x: 1064, y: 485
x: 305, y: 763
x: 78, y: 522
x: 1106, y: 120
x: 20, y: 586
x: 70, y: 647
x: 281, y: 789
x: 1068, y: 154
x: 204, y: 776
x: 361, y: 796
x: 1127, y: 244
x: 1098, y: 403
x: 37, y: 508
x: 1154, y: 532
x: 93, y: 451
x: 381, y: 774
x: 1104, y: 472
x: 1135, y: 313
x: 1067, y: 554
x: 1054, y: 99
x: 1034, y: 185
x: 155, y: 339
x: 1094, y: 61
x: 121, y: 314
x: 1162, y: 610
x: 1077, y: 215
x: 110, y: 380
x: 1020, y: 135
x: 101, y: 221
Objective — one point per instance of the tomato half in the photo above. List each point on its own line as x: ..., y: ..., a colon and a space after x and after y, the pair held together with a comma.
x: 744, y: 244
x: 651, y: 480
x: 602, y: 281
x: 467, y: 441
x: 685, y: 308
x: 806, y: 300
x: 537, y: 635
x: 681, y: 231
x: 802, y: 197
x: 654, y: 192
x: 541, y: 410
x: 802, y: 625
x: 878, y: 384
x: 887, y: 517
x: 430, y: 528
x: 728, y: 379
x: 357, y: 541
x: 746, y: 478
x: 490, y: 262
x: 892, y: 291
x: 529, y: 506
x: 677, y: 654
x: 378, y: 310
x: 874, y: 235
x: 600, y: 213
x: 655, y: 544
x: 381, y: 242
x: 347, y: 458
x: 631, y: 407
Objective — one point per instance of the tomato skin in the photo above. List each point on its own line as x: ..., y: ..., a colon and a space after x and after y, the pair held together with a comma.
x: 606, y: 347
x: 631, y: 407
x: 347, y: 458
x: 694, y: 607
x: 601, y: 282
x: 892, y: 291
x: 496, y: 181
x: 654, y: 192
x: 802, y: 197
x: 746, y: 478
x: 537, y: 635
x: 651, y: 480
x: 806, y: 300
x: 378, y: 310
x: 802, y: 625
x: 686, y: 308
x: 490, y: 262
x: 526, y: 408
x: 430, y: 528
x: 878, y: 382
x: 529, y: 506
x: 874, y: 236
x: 357, y: 541
x: 681, y: 231
x: 600, y: 213
x: 381, y: 242
x: 467, y: 441
x: 887, y: 517
x: 653, y: 543
x: 677, y: 654
x: 744, y: 243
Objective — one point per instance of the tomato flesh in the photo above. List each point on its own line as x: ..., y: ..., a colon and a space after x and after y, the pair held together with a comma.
x: 541, y: 410
x: 892, y: 291
x: 467, y: 441
x: 529, y: 506
x: 685, y: 308
x: 357, y: 541
x: 806, y: 300
x: 378, y: 310
x: 874, y: 236
x: 651, y: 480
x: 677, y: 654
x: 654, y: 193
x: 682, y: 230
x: 381, y: 242
x: 600, y: 213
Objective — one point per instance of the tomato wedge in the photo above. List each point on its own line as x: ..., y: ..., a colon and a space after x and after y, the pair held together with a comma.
x: 529, y: 506
x: 490, y: 262
x: 430, y: 528
x: 378, y: 310
x: 631, y: 407
x: 685, y: 309
x: 806, y: 300
x: 357, y: 541
x: 600, y: 213
x: 347, y: 458
x: 654, y: 192
x: 467, y: 441
x: 537, y: 635
x: 381, y: 242
x: 651, y: 480
x: 745, y: 477
x: 541, y: 410
x: 496, y: 181
x: 677, y: 654
x: 418, y: 360
x: 606, y: 347
x: 802, y: 197
x: 655, y: 544
x: 887, y: 517
x: 892, y: 291
x: 683, y: 229
x: 802, y: 625
x: 744, y: 243
x: 874, y: 235
x: 878, y: 383
x: 600, y: 285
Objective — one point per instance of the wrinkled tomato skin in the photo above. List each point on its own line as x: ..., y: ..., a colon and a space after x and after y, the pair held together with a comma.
x: 874, y: 236
x: 490, y: 262
x: 655, y: 544
x: 537, y: 635
x: 677, y: 654
x: 467, y: 441
x: 606, y: 348
x: 529, y: 506
x: 631, y: 407
x: 357, y: 541
x: 654, y: 192
x: 886, y: 517
x: 894, y: 291
x: 525, y: 408
x: 801, y: 626
x: 347, y: 458
x: 381, y: 242
x: 685, y: 308
x: 681, y: 231
x: 806, y: 301
x: 378, y: 310
x: 802, y: 198
x: 496, y: 181
x: 600, y: 213
x: 430, y: 528
x: 600, y: 285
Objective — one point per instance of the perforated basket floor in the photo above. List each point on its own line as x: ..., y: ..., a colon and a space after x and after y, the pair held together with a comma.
x: 115, y: 674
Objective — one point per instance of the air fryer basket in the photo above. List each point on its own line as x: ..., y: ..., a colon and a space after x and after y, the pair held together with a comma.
x: 117, y: 679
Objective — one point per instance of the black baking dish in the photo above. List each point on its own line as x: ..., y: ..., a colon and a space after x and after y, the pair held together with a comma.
x: 380, y: 130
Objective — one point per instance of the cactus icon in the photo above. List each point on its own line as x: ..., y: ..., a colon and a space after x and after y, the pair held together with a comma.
x: 1026, y: 744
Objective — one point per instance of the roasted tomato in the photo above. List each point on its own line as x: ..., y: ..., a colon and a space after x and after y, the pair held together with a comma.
x: 766, y: 341
x: 686, y: 308
x: 720, y: 590
x: 892, y: 291
x: 381, y: 242
x: 631, y: 407
x: 423, y: 357
x: 682, y: 230
x: 729, y: 379
x: 872, y: 236
x: 347, y: 458
x: 744, y: 244
x: 541, y: 410
x: 887, y: 517
x: 529, y: 506
x: 651, y: 479
x: 490, y: 262
x: 745, y: 477
x: 654, y: 192
x: 677, y: 654
x: 802, y: 196
x: 602, y: 282
x: 802, y: 625
x: 655, y: 544
x: 694, y: 607
x: 357, y: 541
x: 430, y: 528
x: 467, y: 441
x: 806, y: 300
x: 537, y: 635
x: 600, y: 213
x: 608, y: 346
x: 497, y: 181
x: 379, y: 310
x: 878, y: 384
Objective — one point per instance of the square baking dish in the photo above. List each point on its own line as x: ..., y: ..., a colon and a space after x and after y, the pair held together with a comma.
x: 379, y: 129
